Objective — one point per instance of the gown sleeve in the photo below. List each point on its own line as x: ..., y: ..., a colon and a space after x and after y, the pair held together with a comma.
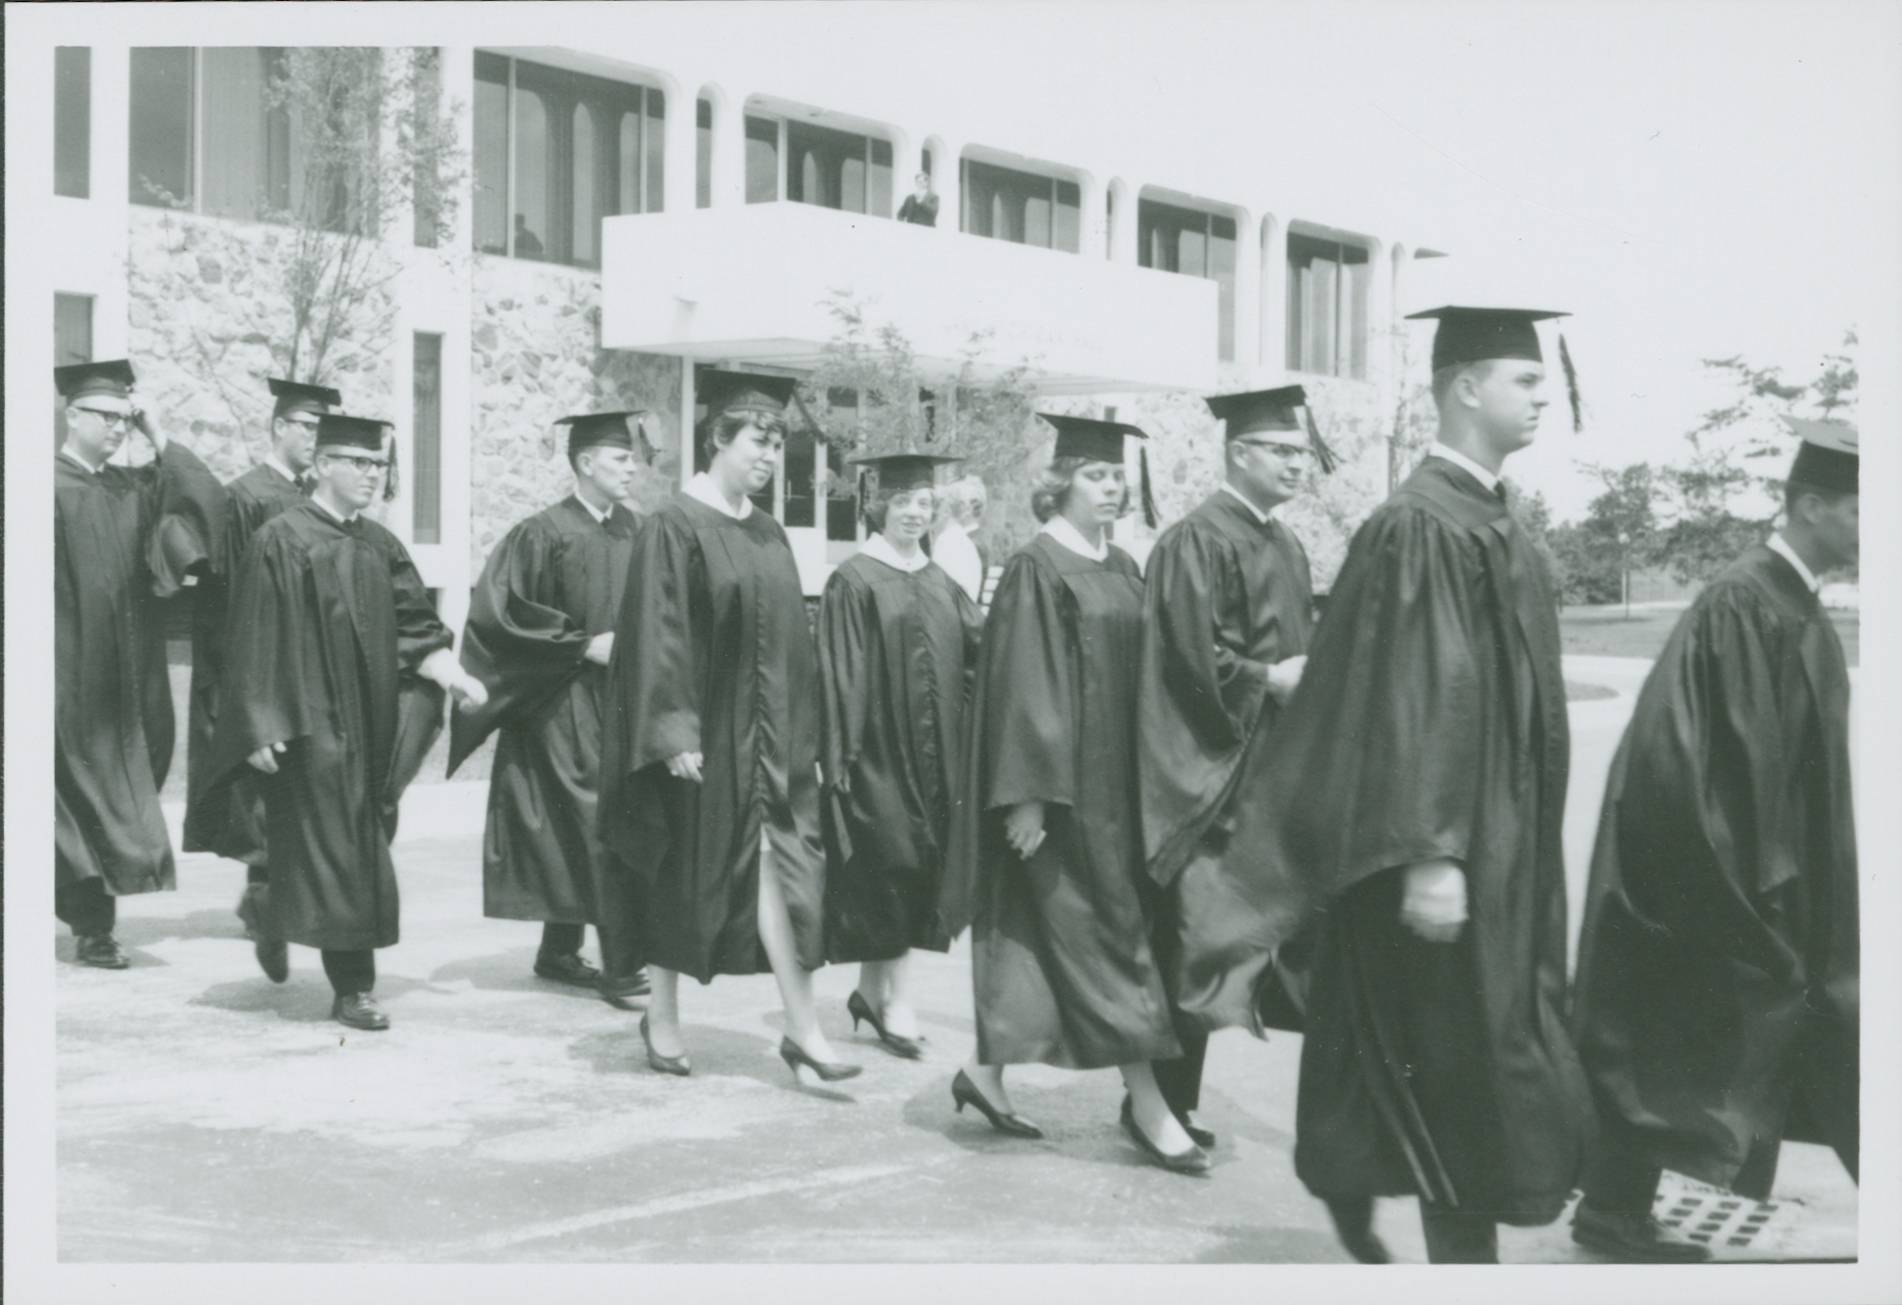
x: 1027, y: 694
x: 271, y: 656
x: 186, y: 506
x: 654, y: 675
x: 842, y: 675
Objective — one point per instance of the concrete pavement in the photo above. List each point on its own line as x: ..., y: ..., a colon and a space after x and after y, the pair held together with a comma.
x: 208, y: 1115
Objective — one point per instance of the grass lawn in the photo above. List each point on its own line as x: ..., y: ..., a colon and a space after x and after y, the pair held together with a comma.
x: 1605, y: 631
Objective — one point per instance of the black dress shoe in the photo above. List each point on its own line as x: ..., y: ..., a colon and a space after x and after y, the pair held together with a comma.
x: 678, y: 1066
x: 274, y: 958
x: 1630, y: 1238
x: 101, y: 951
x: 964, y: 1093
x: 1192, y: 1161
x: 1354, y: 1225
x: 830, y: 1071
x: 897, y: 1043
x: 566, y: 967
x: 617, y: 991
x: 359, y: 1010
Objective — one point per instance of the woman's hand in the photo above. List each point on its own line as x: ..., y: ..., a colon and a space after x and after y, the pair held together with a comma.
x: 686, y: 766
x: 1023, y: 828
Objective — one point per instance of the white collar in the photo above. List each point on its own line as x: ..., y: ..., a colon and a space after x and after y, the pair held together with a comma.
x: 702, y: 489
x: 880, y: 549
x: 276, y: 464
x: 600, y: 517
x: 332, y: 512
x: 1060, y: 529
x: 952, y: 523
x: 90, y: 469
x: 1781, y: 546
x: 1247, y: 503
x: 1490, y: 479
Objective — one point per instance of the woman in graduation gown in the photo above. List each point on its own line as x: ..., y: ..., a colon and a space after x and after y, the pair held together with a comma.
x: 1046, y: 852
x: 897, y: 639
x: 710, y: 747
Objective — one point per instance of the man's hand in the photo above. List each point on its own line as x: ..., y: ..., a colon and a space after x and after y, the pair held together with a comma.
x: 265, y: 758
x: 600, y: 648
x: 1023, y: 828
x: 1433, y: 902
x: 1285, y: 676
x: 143, y: 423
x: 686, y: 765
x: 469, y: 692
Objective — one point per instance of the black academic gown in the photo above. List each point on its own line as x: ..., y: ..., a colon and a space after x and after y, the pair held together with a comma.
x: 712, y: 654
x: 123, y: 538
x: 227, y: 819
x: 1430, y: 722
x: 1227, y: 596
x: 1716, y: 1004
x: 1061, y: 959
x: 327, y: 627
x: 551, y: 586
x: 895, y: 653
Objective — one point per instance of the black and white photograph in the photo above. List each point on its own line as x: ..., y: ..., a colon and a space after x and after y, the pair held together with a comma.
x: 882, y: 651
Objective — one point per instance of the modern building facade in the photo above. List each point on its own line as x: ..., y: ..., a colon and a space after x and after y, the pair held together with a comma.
x: 628, y: 216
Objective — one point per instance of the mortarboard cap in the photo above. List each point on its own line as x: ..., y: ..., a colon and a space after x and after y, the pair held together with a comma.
x: 743, y: 392
x: 1829, y: 457
x: 588, y: 430
x: 76, y: 380
x: 897, y: 472
x: 341, y: 430
x: 298, y: 396
x: 1469, y: 335
x: 1095, y: 440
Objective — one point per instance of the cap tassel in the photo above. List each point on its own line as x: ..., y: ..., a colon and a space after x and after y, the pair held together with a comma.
x: 1148, y: 499
x: 1323, y: 455
x: 1571, y: 387
x: 389, y: 476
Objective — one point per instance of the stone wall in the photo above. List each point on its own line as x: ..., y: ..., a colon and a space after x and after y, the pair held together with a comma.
x: 536, y: 356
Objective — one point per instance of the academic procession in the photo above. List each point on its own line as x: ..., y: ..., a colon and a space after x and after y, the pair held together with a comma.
x: 1158, y: 801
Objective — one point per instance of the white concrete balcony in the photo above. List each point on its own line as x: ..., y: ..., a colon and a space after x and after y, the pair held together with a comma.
x: 751, y: 284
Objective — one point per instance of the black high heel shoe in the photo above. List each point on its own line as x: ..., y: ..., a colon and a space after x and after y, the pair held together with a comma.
x: 679, y: 1066
x: 1193, y: 1161
x: 964, y: 1093
x: 830, y: 1071
x: 897, y: 1043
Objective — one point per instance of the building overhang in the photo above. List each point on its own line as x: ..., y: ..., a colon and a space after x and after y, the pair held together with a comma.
x: 756, y: 284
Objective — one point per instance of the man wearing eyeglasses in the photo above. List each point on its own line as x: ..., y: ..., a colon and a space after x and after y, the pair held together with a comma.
x: 229, y: 819
x: 1229, y: 604
x: 335, y: 667
x: 124, y: 538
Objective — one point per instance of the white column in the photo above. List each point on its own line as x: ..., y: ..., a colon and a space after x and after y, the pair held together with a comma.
x: 1246, y: 301
x: 1272, y: 307
x: 681, y: 159
x: 1380, y: 315
x: 949, y: 183
x: 729, y: 150
x: 111, y: 194
x: 1093, y: 234
x: 1123, y: 229
x: 458, y: 390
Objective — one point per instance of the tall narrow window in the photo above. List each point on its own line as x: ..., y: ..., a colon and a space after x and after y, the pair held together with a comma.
x: 426, y: 423
x: 491, y: 153
x: 72, y: 343
x: 1021, y: 207
x: 703, y: 154
x: 160, y: 144
x: 654, y: 196
x: 426, y: 191
x: 762, y: 160
x: 72, y: 121
x: 1328, y: 282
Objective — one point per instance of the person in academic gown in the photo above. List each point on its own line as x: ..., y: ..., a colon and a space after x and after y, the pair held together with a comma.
x: 898, y: 639
x: 1413, y: 789
x: 229, y: 819
x: 1046, y: 860
x: 540, y: 632
x: 710, y: 756
x: 335, y: 669
x: 123, y: 538
x: 1228, y: 608
x: 1716, y: 1005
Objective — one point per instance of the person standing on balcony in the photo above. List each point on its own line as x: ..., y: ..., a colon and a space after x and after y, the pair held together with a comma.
x: 540, y: 634
x: 229, y: 819
x: 123, y: 538
x: 1046, y: 854
x: 1414, y: 789
x: 1718, y: 996
x: 955, y: 548
x: 1228, y: 605
x: 335, y: 669
x: 897, y: 641
x: 710, y: 761
x: 921, y: 206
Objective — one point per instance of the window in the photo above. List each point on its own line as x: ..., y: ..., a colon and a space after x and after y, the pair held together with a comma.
x: 555, y: 152
x: 1194, y: 243
x: 703, y: 154
x: 836, y: 169
x: 426, y: 421
x: 72, y: 343
x: 72, y: 121
x: 1021, y: 207
x: 762, y: 160
x: 163, y: 88
x: 1328, y: 282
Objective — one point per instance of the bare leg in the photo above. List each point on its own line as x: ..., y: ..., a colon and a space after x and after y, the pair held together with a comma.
x: 882, y: 983
x: 989, y: 1080
x: 663, y: 1011
x: 1153, y: 1116
x: 795, y: 981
